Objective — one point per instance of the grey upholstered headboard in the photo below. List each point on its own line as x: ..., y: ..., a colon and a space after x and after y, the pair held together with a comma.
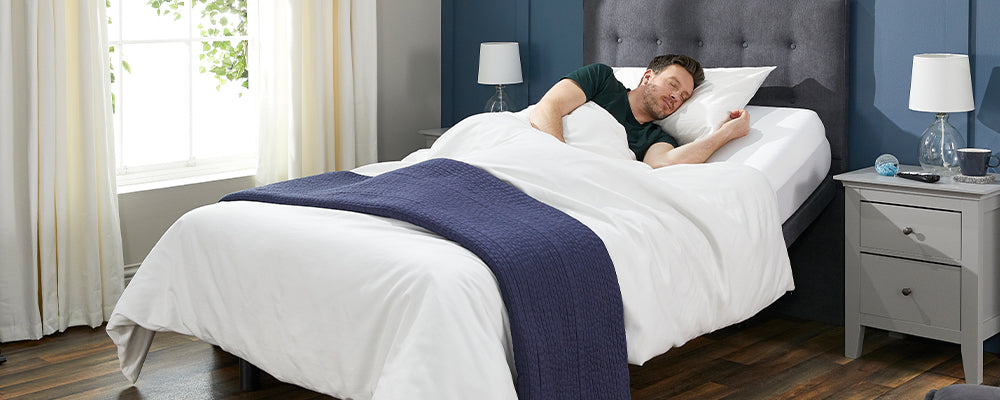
x: 806, y: 39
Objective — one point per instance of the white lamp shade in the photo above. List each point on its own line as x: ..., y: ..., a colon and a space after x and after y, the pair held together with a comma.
x: 941, y: 83
x: 499, y: 63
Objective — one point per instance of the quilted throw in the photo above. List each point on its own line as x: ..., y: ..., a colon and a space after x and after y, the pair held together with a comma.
x: 556, y: 278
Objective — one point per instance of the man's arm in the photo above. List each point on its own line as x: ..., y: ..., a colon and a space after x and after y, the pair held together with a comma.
x: 664, y: 154
x: 564, y: 97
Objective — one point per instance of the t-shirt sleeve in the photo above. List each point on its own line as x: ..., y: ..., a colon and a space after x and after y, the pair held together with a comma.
x: 666, y: 138
x: 591, y: 78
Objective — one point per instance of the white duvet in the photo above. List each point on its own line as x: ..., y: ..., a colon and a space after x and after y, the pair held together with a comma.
x: 365, y: 307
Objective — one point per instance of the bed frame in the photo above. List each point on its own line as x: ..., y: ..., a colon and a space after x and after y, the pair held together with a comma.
x: 808, y: 41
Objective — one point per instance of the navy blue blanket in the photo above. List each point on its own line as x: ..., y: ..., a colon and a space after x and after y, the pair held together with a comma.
x: 556, y: 278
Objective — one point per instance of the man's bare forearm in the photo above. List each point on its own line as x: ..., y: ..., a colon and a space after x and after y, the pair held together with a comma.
x: 547, y: 120
x: 698, y: 151
x: 564, y: 97
x: 695, y: 152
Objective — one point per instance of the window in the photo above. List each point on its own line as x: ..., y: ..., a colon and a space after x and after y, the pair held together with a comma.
x: 182, y: 104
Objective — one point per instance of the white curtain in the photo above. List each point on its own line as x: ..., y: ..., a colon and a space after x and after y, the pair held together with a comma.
x: 60, y: 240
x: 316, y: 85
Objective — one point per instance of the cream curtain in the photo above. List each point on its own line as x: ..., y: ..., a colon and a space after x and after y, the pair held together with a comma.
x: 60, y: 241
x: 316, y: 86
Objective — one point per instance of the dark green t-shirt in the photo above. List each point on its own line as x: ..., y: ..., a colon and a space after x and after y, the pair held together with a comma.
x: 599, y: 84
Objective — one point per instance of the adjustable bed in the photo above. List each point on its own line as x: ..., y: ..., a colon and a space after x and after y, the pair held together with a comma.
x: 365, y: 306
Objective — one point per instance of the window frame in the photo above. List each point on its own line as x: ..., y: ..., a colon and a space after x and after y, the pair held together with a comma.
x: 181, y: 170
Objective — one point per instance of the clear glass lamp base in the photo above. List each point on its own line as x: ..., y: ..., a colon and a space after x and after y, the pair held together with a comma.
x: 499, y: 102
x: 938, y: 145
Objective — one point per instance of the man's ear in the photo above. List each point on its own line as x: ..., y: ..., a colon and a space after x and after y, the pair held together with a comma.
x: 645, y: 77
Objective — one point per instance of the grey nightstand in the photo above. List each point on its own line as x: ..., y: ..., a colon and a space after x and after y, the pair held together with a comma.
x: 922, y: 259
x: 430, y: 135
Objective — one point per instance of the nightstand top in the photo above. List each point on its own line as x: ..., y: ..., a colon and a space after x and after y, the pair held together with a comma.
x: 432, y: 132
x: 867, y: 176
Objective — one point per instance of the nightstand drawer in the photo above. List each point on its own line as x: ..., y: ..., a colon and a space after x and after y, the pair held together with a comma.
x: 913, y: 291
x: 920, y: 233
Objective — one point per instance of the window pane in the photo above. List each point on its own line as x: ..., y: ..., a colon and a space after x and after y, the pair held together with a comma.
x: 154, y: 104
x: 181, y: 107
x: 116, y: 95
x: 223, y: 18
x: 113, y: 22
x: 140, y: 21
x: 223, y: 109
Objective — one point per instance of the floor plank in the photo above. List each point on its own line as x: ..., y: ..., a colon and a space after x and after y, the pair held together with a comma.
x: 768, y: 357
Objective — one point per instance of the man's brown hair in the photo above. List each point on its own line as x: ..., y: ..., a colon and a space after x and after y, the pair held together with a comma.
x: 689, y: 64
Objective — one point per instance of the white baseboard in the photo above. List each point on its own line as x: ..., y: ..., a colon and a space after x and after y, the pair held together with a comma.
x: 130, y: 272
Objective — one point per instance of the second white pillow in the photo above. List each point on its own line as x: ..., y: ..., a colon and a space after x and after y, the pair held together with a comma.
x: 724, y: 90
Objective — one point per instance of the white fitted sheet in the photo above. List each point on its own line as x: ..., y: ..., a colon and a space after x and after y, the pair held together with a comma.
x: 789, y: 146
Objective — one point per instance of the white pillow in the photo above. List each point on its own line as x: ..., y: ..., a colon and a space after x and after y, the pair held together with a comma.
x: 724, y: 90
x: 592, y: 128
x: 629, y: 76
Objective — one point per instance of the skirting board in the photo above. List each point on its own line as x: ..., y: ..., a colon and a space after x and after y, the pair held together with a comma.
x: 130, y: 272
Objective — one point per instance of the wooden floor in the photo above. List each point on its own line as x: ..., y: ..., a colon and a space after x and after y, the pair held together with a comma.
x: 765, y: 358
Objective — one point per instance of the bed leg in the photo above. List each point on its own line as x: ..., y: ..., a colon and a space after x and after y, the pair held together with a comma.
x: 249, y: 376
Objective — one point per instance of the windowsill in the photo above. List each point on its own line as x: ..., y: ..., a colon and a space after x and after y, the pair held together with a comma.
x: 191, y: 180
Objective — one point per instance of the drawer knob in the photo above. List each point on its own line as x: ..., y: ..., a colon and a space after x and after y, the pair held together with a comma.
x: 907, y: 230
x: 906, y: 291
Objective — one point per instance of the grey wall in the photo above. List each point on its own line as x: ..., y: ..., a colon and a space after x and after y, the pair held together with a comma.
x: 409, y: 70
x: 145, y: 215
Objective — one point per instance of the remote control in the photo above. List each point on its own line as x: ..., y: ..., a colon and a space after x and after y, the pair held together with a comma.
x: 920, y: 176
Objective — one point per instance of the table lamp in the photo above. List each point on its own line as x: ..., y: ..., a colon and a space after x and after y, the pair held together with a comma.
x: 941, y: 84
x: 499, y: 64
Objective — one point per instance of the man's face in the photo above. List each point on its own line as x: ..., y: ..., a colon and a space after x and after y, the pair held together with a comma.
x: 666, y: 91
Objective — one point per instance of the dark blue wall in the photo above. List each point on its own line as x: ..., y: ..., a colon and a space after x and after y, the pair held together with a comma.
x: 984, y: 32
x: 885, y: 34
x: 550, y: 33
x: 985, y: 39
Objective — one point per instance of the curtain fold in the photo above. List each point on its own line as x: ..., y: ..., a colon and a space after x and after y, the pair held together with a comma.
x: 61, y: 260
x: 316, y: 86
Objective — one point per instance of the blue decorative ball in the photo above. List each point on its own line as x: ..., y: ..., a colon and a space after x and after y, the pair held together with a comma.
x: 886, y: 165
x: 887, y: 169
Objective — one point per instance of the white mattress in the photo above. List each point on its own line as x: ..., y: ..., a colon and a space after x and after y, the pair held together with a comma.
x: 789, y: 146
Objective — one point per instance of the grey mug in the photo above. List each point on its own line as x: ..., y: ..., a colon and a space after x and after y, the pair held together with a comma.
x: 973, y: 161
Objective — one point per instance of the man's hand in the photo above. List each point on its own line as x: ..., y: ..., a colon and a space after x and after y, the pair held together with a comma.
x: 737, y: 126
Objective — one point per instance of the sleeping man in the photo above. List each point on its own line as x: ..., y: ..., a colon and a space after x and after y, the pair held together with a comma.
x: 668, y: 82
